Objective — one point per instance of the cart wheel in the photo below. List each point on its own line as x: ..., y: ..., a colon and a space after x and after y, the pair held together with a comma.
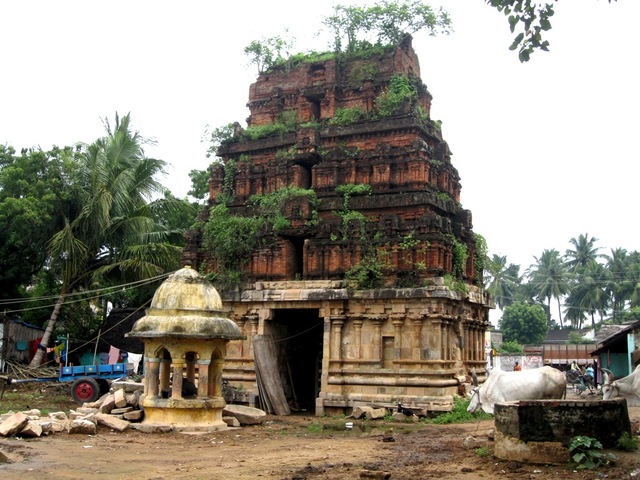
x: 85, y: 389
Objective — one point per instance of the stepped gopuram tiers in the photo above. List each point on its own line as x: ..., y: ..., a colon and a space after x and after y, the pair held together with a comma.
x: 362, y: 271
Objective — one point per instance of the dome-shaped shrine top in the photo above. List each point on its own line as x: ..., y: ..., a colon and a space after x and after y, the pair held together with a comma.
x: 186, y: 305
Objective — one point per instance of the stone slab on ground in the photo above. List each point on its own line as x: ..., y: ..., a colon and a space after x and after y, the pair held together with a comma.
x: 231, y: 421
x: 112, y: 422
x: 82, y: 426
x: 376, y: 413
x: 32, y: 430
x: 13, y: 425
x: 134, y: 415
x: 360, y: 411
x: 148, y: 428
x: 245, y: 415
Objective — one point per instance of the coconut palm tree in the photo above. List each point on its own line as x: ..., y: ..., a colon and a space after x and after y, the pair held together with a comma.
x: 549, y: 278
x: 619, y: 283
x: 574, y: 315
x: 589, y: 294
x: 633, y: 279
x: 109, y: 225
x: 583, y: 252
x: 503, y: 280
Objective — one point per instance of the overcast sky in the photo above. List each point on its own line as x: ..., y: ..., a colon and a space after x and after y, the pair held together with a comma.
x: 545, y: 150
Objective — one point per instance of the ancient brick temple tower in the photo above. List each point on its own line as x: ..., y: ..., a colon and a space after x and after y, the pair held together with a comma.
x: 367, y: 282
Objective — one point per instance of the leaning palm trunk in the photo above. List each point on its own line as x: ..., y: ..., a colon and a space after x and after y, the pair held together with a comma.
x: 37, y: 358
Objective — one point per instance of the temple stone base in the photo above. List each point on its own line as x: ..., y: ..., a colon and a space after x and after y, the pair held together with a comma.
x: 185, y: 414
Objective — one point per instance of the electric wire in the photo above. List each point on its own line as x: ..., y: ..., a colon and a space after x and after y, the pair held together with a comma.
x: 85, y: 292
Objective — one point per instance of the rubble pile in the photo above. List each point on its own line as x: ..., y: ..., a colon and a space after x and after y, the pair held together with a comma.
x: 117, y: 410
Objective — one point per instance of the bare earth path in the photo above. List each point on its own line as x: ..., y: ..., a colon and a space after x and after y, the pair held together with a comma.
x: 283, y: 448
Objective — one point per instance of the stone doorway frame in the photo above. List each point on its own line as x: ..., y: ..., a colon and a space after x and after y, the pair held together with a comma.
x: 302, y: 365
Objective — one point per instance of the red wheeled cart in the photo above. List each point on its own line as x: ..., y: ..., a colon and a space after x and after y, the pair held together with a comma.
x: 90, y: 382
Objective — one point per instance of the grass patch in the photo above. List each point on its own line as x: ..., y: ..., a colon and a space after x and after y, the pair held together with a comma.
x: 459, y: 414
x: 482, y: 452
x: 315, y: 428
x: 46, y: 396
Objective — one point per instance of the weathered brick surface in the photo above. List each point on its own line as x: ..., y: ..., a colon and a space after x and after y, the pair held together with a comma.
x: 416, y: 189
x: 414, y: 338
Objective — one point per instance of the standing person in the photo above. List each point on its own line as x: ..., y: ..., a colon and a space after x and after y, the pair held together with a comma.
x: 516, y: 367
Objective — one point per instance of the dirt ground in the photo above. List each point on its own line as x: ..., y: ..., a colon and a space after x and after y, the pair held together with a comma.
x: 286, y: 448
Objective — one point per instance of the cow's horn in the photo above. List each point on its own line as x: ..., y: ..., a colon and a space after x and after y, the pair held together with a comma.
x: 474, y: 377
x: 610, y: 377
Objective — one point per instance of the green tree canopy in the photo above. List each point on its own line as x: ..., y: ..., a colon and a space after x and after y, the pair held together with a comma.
x: 583, y: 252
x: 530, y: 19
x: 353, y: 28
x: 110, y: 230
x: 525, y: 324
x: 266, y: 52
x: 503, y: 280
x: 385, y: 23
x: 589, y: 293
x: 549, y: 278
x: 199, y: 184
x: 511, y: 346
x: 32, y: 194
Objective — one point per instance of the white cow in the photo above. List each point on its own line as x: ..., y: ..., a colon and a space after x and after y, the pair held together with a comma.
x: 501, y: 386
x: 626, y: 387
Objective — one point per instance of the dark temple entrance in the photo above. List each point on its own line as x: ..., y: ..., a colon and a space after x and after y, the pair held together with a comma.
x: 298, y: 335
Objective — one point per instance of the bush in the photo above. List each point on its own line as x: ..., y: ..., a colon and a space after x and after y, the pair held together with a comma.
x: 627, y: 443
x: 482, y: 451
x: 400, y: 90
x: 286, y: 123
x: 511, y: 346
x: 367, y: 274
x: 585, y: 452
x: 347, y: 116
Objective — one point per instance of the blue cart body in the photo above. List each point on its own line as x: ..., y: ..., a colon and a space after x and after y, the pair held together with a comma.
x: 69, y: 374
x: 115, y: 370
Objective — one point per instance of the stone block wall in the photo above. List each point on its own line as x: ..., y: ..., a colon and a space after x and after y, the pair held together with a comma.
x: 535, y: 421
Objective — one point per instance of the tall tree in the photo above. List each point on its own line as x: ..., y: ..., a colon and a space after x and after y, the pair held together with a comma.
x: 589, y: 293
x: 584, y: 251
x: 549, y: 279
x: 503, y: 280
x: 31, y: 196
x: 109, y: 229
x: 633, y: 279
x: 574, y: 315
x: 619, y: 281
